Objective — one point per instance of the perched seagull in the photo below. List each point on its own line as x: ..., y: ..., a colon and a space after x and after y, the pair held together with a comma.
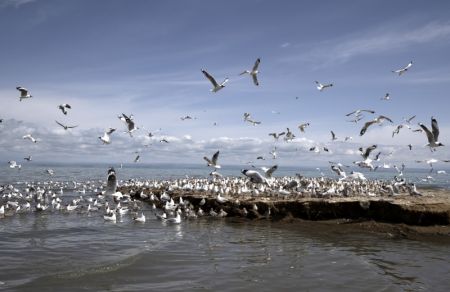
x: 303, y: 126
x: 63, y: 107
x: 13, y: 164
x: 29, y: 137
x: 129, y: 122
x: 217, y: 86
x: 378, y: 120
x: 403, y: 70
x: 321, y: 86
x: 28, y: 158
x: 213, y: 161
x: 333, y: 136
x: 65, y: 127
x: 139, y: 218
x: 432, y: 135
x: 106, y: 139
x: 23, y: 93
x: 253, y: 72
x: 276, y: 135
x: 386, y: 97
x: 254, y: 176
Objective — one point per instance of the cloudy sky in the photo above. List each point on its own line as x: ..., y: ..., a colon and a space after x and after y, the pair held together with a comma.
x: 144, y: 58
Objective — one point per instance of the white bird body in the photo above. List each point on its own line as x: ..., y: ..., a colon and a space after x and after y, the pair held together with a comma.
x: 140, y: 218
x: 23, y: 93
x: 29, y: 137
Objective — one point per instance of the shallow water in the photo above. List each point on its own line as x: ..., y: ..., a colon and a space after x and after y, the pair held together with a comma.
x: 57, y: 251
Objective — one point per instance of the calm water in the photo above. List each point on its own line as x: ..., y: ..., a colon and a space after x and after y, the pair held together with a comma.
x: 54, y: 251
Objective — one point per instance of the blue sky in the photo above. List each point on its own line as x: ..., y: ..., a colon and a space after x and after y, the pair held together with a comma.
x: 145, y: 57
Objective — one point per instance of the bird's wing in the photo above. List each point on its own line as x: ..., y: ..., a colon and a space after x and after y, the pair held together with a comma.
x: 271, y: 170
x: 349, y: 114
x: 210, y: 78
x: 368, y: 150
x: 71, y: 127
x: 255, y: 67
x: 435, y: 128
x: 366, y: 126
x: 273, y: 134
x: 381, y: 117
x: 215, y: 157
x: 333, y: 136
x: 430, y: 135
x: 68, y: 106
x: 207, y: 160
x: 255, y: 80
x: 410, y: 119
x: 60, y: 124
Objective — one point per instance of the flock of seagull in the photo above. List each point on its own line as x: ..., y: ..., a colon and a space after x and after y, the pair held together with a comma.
x: 253, y: 182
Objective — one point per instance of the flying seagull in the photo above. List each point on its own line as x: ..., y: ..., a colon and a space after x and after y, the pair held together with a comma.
x: 106, y: 139
x: 403, y: 70
x: 408, y: 120
x: 65, y: 126
x: 386, y: 97
x: 365, y: 153
x: 276, y: 135
x: 29, y: 137
x: 23, y: 93
x: 254, y: 176
x: 268, y: 171
x: 217, y: 86
x: 28, y: 158
x: 321, y: 86
x: 333, y: 136
x: 213, y: 161
x: 377, y: 120
x: 432, y: 135
x: 253, y: 72
x: 397, y: 130
x: 129, y: 121
x: 302, y: 127
x: 358, y: 112
x: 63, y: 107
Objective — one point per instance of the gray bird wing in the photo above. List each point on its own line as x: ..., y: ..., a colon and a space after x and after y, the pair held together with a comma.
x: 210, y: 78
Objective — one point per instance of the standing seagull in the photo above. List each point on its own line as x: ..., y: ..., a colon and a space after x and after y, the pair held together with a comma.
x: 253, y: 72
x: 403, y: 70
x: 217, y: 86
x: 65, y: 127
x: 213, y: 161
x: 321, y: 86
x: 432, y: 135
x: 63, y: 107
x: 23, y: 93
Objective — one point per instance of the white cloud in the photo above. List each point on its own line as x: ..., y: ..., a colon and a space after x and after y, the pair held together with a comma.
x: 15, y: 3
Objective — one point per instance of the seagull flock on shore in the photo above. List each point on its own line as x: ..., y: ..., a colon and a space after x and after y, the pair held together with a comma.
x: 252, y: 181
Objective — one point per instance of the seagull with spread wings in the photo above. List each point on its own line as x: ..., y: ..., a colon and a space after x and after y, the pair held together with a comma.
x: 432, y: 135
x: 65, y: 127
x: 216, y: 85
x: 213, y: 161
x: 253, y: 72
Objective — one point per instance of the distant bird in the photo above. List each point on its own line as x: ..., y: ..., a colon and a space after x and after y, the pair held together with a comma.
x: 325, y: 149
x: 13, y: 164
x: 29, y: 137
x: 63, y: 107
x: 23, y: 93
x: 432, y: 135
x: 274, y: 153
x: 50, y: 171
x: 333, y: 136
x: 215, y: 174
x: 410, y: 146
x: 65, y: 126
x: 386, y: 97
x: 246, y: 116
x: 187, y: 118
x: 358, y: 112
x: 403, y: 70
x: 217, y: 86
x: 365, y: 153
x: 28, y: 158
x: 137, y: 158
x: 213, y: 161
x: 163, y: 140
x: 129, y: 121
x: 1, y: 121
x: 348, y: 138
x: 338, y: 170
x: 408, y: 120
x: 253, y: 72
x: 276, y: 135
x: 321, y: 86
x: 106, y: 139
x: 397, y: 130
x: 289, y: 135
x: 303, y: 126
x: 254, y: 176
x: 260, y: 158
x: 377, y: 120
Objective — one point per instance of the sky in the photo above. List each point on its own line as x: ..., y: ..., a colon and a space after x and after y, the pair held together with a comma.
x: 105, y: 58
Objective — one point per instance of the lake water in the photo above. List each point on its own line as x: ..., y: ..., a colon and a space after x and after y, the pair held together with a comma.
x: 57, y: 251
